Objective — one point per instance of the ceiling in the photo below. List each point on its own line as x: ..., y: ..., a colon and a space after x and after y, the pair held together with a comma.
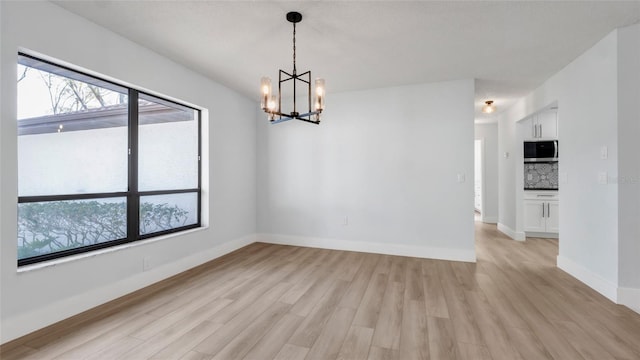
x: 509, y: 47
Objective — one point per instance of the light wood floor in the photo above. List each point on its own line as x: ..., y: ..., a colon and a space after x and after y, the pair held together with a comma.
x: 280, y: 302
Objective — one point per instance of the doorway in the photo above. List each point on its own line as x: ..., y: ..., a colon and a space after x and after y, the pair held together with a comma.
x: 477, y: 179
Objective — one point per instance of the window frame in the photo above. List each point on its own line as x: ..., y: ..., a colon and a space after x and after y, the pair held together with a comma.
x: 132, y: 195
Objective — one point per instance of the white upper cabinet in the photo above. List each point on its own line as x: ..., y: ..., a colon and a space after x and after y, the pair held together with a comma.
x: 548, y: 124
x: 542, y: 126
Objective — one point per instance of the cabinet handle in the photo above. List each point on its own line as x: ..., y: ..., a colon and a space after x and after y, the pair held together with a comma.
x: 542, y: 209
x: 540, y: 132
x: 534, y: 130
x: 548, y: 210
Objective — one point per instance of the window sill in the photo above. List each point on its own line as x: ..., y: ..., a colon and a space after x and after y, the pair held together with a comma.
x: 73, y: 258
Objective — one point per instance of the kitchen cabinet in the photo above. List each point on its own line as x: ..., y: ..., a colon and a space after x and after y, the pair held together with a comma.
x: 541, y: 212
x: 533, y: 218
x: 542, y: 126
x: 553, y: 220
x: 541, y: 216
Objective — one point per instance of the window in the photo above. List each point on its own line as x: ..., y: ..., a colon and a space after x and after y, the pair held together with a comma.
x: 100, y: 164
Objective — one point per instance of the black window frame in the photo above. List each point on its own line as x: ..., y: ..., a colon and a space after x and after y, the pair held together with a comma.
x: 133, y: 195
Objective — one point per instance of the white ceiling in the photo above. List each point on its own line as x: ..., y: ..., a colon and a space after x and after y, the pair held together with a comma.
x: 510, y: 47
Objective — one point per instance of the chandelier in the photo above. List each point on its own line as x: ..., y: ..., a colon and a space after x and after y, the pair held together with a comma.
x: 272, y: 104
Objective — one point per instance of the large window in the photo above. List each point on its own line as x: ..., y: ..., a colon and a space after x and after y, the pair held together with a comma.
x: 99, y: 164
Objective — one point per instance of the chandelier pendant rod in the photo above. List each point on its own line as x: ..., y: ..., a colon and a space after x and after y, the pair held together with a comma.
x: 294, y: 49
x: 295, y: 74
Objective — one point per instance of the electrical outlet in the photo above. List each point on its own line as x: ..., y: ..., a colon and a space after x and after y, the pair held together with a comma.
x: 529, y: 177
x: 146, y: 263
x: 461, y: 178
x: 345, y: 221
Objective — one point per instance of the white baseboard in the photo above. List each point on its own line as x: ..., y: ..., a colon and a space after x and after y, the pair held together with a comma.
x: 592, y: 280
x: 629, y: 297
x: 515, y: 235
x: 544, y: 235
x: 23, y: 324
x: 370, y: 247
x: 489, y: 219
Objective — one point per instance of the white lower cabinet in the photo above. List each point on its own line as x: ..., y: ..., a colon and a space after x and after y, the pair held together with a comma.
x: 541, y: 212
x: 553, y: 220
x: 533, y: 218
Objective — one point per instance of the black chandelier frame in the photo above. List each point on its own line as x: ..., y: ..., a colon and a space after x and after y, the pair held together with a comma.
x: 283, y: 77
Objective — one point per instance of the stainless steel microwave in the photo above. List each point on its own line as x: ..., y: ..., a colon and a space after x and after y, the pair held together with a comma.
x: 541, y: 151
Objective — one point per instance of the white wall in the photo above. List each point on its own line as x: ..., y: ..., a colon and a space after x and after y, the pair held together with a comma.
x: 629, y: 165
x: 489, y: 134
x: 507, y: 166
x: 594, y: 109
x: 101, y: 166
x: 385, y: 159
x: 33, y: 299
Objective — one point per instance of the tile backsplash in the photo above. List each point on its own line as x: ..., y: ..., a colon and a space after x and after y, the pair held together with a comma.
x: 541, y: 175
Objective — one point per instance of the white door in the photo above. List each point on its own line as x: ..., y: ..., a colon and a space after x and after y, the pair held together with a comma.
x: 533, y: 219
x: 478, y: 175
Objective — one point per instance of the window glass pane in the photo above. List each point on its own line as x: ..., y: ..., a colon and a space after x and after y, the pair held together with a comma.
x: 74, y: 138
x: 72, y: 134
x: 168, y: 145
x: 49, y: 227
x: 168, y: 211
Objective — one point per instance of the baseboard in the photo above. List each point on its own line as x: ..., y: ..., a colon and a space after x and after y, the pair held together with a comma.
x: 371, y: 247
x: 543, y: 235
x: 515, y: 235
x: 23, y: 324
x: 489, y: 219
x: 592, y: 280
x: 629, y: 297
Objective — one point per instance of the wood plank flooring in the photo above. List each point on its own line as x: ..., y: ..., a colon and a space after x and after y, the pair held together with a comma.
x: 282, y: 302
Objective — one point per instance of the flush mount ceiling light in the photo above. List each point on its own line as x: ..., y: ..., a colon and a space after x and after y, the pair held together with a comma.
x: 272, y: 105
x: 488, y: 107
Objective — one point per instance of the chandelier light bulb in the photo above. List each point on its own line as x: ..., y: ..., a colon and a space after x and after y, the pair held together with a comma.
x: 319, y: 87
x: 272, y: 104
x: 319, y: 95
x: 265, y: 91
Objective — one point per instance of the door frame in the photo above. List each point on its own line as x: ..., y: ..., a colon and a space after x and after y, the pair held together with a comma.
x: 482, y: 176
